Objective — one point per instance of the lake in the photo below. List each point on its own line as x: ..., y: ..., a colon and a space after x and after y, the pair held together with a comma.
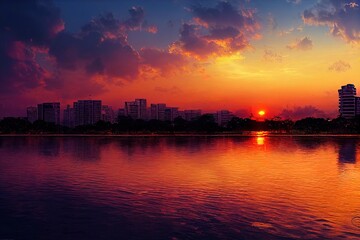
x: 179, y: 188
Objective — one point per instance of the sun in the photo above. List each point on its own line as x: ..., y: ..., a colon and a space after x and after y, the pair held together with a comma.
x: 261, y: 113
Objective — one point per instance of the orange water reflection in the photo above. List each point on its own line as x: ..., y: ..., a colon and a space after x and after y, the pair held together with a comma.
x: 284, y: 186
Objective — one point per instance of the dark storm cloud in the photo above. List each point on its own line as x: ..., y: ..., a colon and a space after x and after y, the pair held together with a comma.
x: 95, y: 52
x: 26, y: 27
x: 218, y: 30
x: 342, y: 17
x: 100, y: 47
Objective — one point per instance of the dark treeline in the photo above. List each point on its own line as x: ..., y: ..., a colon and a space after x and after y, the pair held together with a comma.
x: 204, y: 124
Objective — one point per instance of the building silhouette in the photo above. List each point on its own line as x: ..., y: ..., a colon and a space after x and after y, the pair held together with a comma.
x: 136, y: 109
x: 349, y: 104
x: 69, y: 117
x: 157, y: 111
x: 222, y: 117
x: 107, y: 114
x: 171, y: 113
x: 32, y: 114
x: 87, y: 112
x: 49, y: 112
x: 190, y: 115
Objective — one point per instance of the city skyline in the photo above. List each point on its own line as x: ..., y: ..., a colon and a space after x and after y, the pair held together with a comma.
x: 89, y: 112
x: 243, y: 56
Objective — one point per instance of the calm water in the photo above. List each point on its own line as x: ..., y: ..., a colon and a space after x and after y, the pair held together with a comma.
x: 179, y: 188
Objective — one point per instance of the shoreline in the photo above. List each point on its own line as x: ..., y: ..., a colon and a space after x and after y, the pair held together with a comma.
x: 254, y: 134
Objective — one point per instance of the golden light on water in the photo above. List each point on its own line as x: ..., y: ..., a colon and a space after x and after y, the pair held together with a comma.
x: 260, y: 140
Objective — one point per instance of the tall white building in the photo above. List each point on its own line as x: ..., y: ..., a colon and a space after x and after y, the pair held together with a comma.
x: 347, y: 101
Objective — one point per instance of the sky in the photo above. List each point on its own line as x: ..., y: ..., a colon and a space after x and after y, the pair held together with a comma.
x: 287, y: 57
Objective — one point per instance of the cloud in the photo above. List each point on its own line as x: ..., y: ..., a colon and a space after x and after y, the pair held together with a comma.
x: 342, y: 17
x: 271, y: 56
x: 272, y: 23
x: 340, y: 66
x: 163, y: 60
x: 24, y: 32
x: 99, y: 49
x: 303, y: 44
x: 302, y: 112
x: 218, y: 30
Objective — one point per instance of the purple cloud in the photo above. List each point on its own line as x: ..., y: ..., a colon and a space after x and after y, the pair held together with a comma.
x: 340, y: 66
x: 303, y: 44
x: 342, y: 17
x: 24, y: 32
x: 303, y: 112
x: 218, y: 30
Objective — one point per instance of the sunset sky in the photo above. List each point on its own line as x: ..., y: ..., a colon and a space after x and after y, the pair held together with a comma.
x: 288, y: 57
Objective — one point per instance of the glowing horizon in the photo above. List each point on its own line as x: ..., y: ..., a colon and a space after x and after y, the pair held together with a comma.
x: 281, y: 56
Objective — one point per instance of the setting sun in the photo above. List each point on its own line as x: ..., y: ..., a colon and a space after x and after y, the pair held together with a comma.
x: 261, y: 113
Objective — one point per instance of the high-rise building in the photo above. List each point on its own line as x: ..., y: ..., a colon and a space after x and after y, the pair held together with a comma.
x: 142, y: 108
x: 107, y: 114
x: 32, y: 114
x: 357, y: 104
x: 49, y: 112
x: 132, y: 110
x: 87, y: 112
x: 157, y: 111
x: 190, y: 115
x: 136, y: 109
x: 223, y: 117
x: 69, y: 117
x: 171, y: 113
x: 347, y: 101
x: 121, y: 112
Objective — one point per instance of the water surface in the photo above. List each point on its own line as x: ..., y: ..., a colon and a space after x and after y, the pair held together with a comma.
x: 179, y: 188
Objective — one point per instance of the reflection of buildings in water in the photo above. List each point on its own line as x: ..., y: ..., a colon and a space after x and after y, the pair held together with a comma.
x: 347, y: 151
x: 84, y: 148
x: 49, y: 146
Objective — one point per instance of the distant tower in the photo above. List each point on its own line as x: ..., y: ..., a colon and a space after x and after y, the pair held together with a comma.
x: 347, y: 101
x: 87, y: 112
x: 49, y: 112
x: 69, y: 117
x: 32, y: 114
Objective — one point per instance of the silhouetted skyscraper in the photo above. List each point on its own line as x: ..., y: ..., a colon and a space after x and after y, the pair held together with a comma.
x: 32, y: 114
x: 223, y: 117
x: 87, y: 112
x: 136, y: 109
x: 142, y: 108
x: 69, y: 117
x: 107, y: 114
x: 171, y: 113
x: 49, y: 112
x: 157, y: 111
x: 347, y: 101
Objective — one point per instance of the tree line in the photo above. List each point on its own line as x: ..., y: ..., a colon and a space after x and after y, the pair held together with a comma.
x: 204, y: 124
